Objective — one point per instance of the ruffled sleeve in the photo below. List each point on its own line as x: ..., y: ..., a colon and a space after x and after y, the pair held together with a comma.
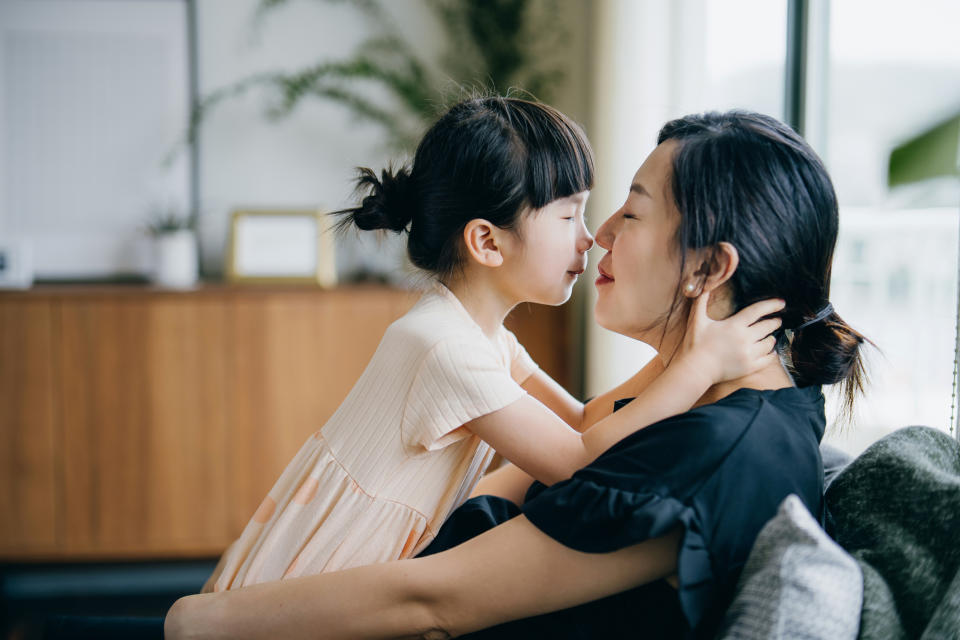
x: 457, y: 381
x: 641, y: 488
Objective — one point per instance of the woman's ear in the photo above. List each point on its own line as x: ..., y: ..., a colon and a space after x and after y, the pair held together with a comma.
x: 481, y: 238
x: 711, y: 268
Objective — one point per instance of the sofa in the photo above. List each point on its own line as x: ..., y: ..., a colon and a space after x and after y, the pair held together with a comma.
x: 883, y: 562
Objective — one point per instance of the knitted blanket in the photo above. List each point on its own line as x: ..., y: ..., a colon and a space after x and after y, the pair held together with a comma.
x: 896, y: 510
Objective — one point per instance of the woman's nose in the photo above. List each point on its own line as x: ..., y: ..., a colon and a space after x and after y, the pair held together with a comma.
x: 605, y: 233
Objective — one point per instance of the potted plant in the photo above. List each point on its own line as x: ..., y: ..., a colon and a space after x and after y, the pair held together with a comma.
x: 508, y: 46
x: 175, y: 248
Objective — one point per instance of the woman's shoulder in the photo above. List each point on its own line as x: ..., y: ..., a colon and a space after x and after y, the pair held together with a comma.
x: 679, y: 449
x: 730, y: 416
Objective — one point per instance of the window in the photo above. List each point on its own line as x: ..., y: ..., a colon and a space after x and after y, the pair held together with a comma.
x: 890, y: 72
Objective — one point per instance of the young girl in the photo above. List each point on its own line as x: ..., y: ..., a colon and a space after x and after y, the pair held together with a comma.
x: 493, y: 205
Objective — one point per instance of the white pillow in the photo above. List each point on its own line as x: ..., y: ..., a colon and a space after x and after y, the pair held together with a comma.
x: 797, y: 583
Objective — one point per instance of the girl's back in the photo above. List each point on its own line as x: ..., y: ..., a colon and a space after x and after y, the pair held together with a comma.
x: 394, y: 459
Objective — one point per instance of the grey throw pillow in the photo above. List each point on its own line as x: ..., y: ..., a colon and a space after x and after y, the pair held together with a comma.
x: 797, y: 583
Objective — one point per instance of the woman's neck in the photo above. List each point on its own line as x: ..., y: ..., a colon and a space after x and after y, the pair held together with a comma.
x: 773, y: 376
x: 486, y: 304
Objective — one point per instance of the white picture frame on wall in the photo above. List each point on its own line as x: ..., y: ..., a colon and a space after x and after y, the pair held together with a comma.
x: 94, y: 95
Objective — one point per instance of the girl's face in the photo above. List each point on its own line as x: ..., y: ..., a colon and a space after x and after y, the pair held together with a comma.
x: 551, y: 251
x: 640, y: 272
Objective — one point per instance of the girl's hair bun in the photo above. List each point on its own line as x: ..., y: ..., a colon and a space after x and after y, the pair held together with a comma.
x: 390, y: 202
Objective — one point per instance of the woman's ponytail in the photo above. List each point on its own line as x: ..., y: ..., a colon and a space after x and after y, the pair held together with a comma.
x: 827, y: 351
x: 390, y: 202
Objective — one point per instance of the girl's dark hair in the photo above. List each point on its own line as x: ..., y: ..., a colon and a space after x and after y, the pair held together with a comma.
x: 490, y: 158
x: 750, y: 180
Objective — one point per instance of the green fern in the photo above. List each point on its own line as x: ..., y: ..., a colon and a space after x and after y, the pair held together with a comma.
x: 495, y: 45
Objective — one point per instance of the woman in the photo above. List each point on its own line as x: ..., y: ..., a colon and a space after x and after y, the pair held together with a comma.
x: 654, y: 532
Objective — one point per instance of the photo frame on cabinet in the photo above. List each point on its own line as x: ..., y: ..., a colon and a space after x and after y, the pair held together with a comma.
x: 281, y: 246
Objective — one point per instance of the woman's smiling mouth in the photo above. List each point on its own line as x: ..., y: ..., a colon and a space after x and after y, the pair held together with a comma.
x: 604, y: 278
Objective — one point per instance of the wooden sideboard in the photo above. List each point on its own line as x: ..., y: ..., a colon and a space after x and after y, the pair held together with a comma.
x: 144, y: 423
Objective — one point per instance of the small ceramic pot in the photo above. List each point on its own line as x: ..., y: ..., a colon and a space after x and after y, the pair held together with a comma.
x: 176, y: 261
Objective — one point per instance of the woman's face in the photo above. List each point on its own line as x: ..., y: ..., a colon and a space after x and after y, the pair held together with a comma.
x: 640, y: 272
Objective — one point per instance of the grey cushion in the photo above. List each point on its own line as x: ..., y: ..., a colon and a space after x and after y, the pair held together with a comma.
x: 834, y: 461
x: 797, y: 583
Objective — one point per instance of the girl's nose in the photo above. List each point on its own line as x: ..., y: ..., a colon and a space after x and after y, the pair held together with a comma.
x: 586, y: 241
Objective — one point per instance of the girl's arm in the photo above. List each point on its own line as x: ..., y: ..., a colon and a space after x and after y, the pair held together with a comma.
x: 549, y: 392
x: 532, y: 437
x: 602, y: 405
x: 512, y: 571
x: 581, y: 416
x: 511, y: 482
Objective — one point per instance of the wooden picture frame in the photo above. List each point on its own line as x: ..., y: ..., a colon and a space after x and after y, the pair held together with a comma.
x: 290, y: 246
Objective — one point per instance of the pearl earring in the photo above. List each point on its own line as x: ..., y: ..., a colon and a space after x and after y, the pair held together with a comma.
x: 690, y: 287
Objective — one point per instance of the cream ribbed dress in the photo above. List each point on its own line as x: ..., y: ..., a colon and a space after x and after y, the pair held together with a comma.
x: 377, y: 481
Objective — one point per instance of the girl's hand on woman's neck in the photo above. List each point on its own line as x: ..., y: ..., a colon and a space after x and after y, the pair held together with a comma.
x: 773, y: 376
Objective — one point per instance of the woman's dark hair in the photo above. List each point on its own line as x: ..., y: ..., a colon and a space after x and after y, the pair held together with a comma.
x: 490, y: 158
x: 750, y: 180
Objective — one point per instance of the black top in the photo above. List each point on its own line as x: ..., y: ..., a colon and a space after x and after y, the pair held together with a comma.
x: 720, y: 470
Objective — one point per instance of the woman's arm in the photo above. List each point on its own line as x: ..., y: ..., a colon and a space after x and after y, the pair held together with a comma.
x: 512, y: 571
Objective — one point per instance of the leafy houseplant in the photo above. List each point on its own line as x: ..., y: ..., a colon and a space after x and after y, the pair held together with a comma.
x: 492, y: 45
x: 176, y: 263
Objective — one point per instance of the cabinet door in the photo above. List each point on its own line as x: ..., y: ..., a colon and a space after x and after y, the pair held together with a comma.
x: 28, y: 448
x: 144, y: 425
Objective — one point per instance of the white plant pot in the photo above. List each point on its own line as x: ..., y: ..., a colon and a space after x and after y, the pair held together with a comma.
x: 175, y: 263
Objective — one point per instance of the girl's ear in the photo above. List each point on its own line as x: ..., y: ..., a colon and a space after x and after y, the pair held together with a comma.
x: 710, y: 269
x: 481, y: 238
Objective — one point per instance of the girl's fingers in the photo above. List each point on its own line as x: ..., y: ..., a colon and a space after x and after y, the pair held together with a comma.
x: 700, y: 304
x: 770, y: 344
x: 764, y: 351
x: 763, y: 328
x: 760, y: 309
x: 698, y: 309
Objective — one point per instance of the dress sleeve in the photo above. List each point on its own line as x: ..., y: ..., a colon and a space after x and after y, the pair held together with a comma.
x: 522, y: 365
x: 458, y: 381
x: 641, y: 488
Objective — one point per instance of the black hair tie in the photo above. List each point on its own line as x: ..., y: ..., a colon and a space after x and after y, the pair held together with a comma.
x: 821, y: 315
